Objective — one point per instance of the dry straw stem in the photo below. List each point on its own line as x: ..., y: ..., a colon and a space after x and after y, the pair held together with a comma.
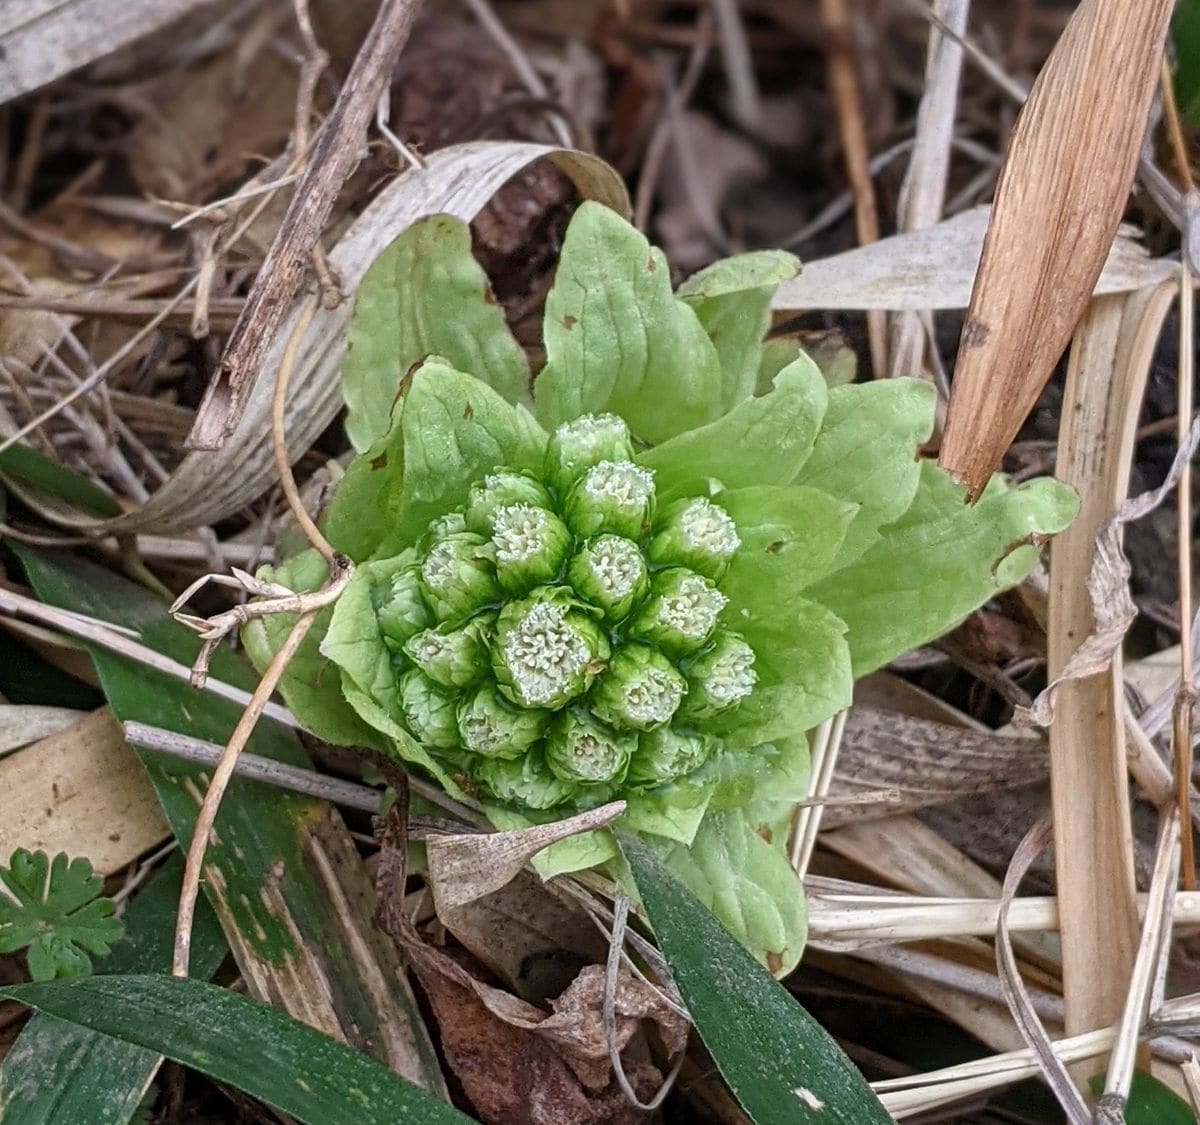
x: 1059, y: 200
x: 1088, y: 764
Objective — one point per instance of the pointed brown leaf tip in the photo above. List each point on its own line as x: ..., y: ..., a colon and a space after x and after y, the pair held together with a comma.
x: 468, y: 412
x: 774, y: 963
x: 651, y: 264
x: 569, y: 322
x: 379, y: 462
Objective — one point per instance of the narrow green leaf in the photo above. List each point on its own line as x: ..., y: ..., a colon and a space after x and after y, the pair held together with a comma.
x: 866, y: 453
x: 25, y: 467
x: 425, y: 295
x: 256, y: 1049
x: 760, y: 441
x: 59, y: 1073
x: 940, y: 561
x: 272, y: 851
x: 778, y: 1061
x: 1185, y: 30
x: 617, y: 338
x: 1151, y: 1102
x: 452, y: 429
x: 758, y: 269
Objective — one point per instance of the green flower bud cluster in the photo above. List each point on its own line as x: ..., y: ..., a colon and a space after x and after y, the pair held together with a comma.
x: 558, y: 641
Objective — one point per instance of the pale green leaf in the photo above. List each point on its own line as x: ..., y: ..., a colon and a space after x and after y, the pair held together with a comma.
x: 790, y: 536
x: 803, y: 667
x: 939, y: 561
x: 311, y: 684
x: 424, y: 295
x: 757, y: 269
x: 674, y: 812
x: 866, y: 453
x: 760, y: 441
x: 747, y: 883
x: 452, y: 430
x: 618, y: 340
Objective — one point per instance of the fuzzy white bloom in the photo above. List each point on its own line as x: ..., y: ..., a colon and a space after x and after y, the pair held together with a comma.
x: 617, y: 565
x: 627, y: 484
x: 653, y: 698
x: 692, y: 609
x: 544, y: 654
x: 731, y: 677
x: 519, y: 532
x: 708, y: 528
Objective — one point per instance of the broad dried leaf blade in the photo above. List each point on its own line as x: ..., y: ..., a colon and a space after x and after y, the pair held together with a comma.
x: 1058, y: 204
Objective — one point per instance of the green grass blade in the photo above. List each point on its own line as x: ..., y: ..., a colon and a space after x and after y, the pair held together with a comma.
x: 779, y: 1062
x: 243, y: 1043
x: 25, y: 467
x: 1185, y: 30
x: 62, y: 1073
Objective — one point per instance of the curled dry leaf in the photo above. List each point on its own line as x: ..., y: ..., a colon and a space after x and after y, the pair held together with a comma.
x: 1108, y: 589
x: 466, y: 867
x: 208, y: 486
x: 935, y: 268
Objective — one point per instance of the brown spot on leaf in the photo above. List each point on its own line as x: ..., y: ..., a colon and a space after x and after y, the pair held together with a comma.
x: 765, y: 833
x: 775, y: 548
x: 774, y: 962
x: 468, y: 412
x: 379, y: 462
x: 651, y: 264
x: 569, y: 322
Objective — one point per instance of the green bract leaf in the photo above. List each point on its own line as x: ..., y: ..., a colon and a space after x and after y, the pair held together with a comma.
x: 778, y: 1061
x: 311, y: 684
x: 747, y: 883
x: 803, y: 667
x: 355, y: 645
x: 866, y: 453
x: 790, y: 536
x: 452, y: 431
x: 940, y: 561
x: 424, y: 295
x: 54, y: 908
x: 618, y: 340
x: 675, y: 812
x: 760, y: 441
x: 732, y: 299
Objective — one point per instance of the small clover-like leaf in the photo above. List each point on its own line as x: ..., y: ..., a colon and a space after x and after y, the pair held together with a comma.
x: 54, y: 908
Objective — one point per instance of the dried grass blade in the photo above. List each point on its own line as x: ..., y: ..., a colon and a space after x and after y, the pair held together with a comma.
x: 1058, y: 204
x: 1109, y: 363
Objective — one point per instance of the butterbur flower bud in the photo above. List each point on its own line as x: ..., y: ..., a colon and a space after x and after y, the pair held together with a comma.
x: 640, y: 688
x: 532, y: 546
x: 458, y: 576
x: 613, y: 496
x: 452, y: 657
x: 576, y: 446
x: 664, y: 754
x: 582, y: 750
x: 428, y: 710
x: 681, y: 613
x: 442, y: 527
x: 697, y: 534
x: 720, y: 678
x: 400, y: 608
x: 525, y: 781
x: 493, y: 727
x: 499, y: 490
x: 611, y: 574
x: 546, y: 650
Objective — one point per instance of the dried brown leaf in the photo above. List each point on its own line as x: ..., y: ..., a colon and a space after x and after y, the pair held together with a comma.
x: 1059, y: 199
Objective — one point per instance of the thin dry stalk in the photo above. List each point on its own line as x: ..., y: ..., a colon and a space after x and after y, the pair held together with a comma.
x: 827, y: 740
x: 282, y: 273
x: 843, y: 81
x: 1149, y: 966
x: 1059, y: 200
